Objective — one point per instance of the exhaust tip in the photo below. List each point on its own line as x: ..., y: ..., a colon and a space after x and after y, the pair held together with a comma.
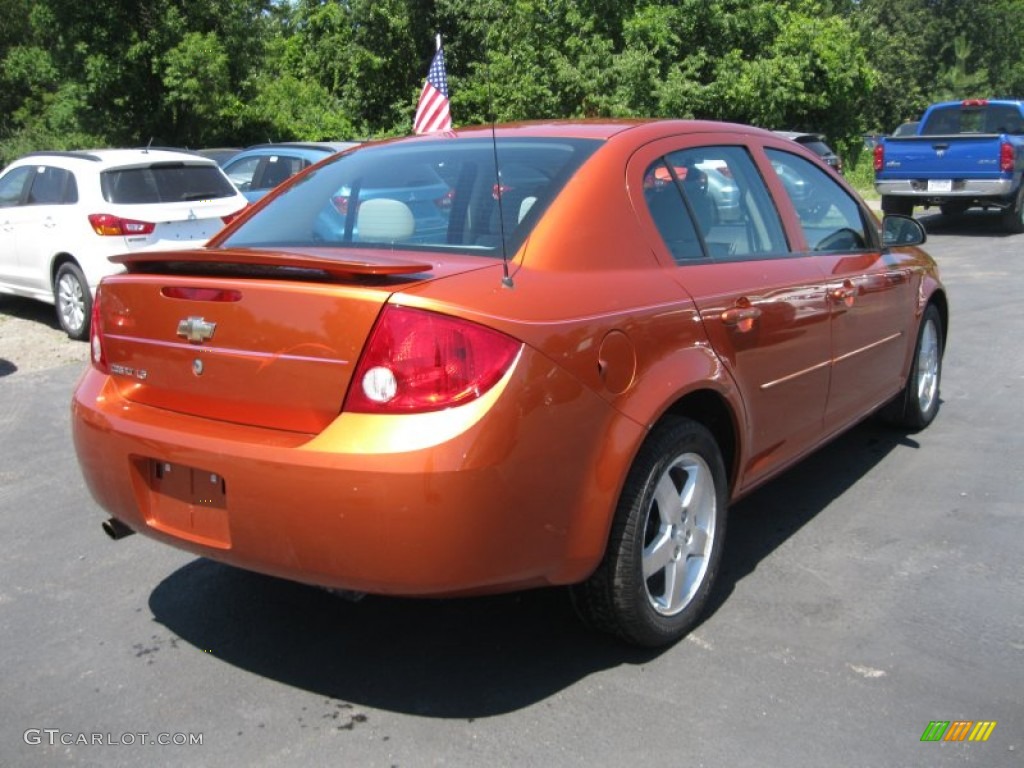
x: 115, y: 529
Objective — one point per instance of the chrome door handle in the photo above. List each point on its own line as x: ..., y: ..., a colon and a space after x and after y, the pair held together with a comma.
x: 741, y: 318
x: 844, y: 294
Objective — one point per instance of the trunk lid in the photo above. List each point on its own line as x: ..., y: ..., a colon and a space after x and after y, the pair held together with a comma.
x: 267, y: 339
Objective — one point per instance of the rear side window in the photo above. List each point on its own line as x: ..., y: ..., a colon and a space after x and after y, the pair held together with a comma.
x: 710, y: 202
x: 831, y: 220
x: 441, y: 194
x: 164, y: 183
x: 53, y: 186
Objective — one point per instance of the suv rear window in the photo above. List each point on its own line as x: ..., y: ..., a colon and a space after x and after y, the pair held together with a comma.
x: 164, y: 183
x: 441, y: 194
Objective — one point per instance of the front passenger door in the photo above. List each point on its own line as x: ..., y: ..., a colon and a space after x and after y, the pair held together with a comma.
x: 870, y: 293
x: 13, y: 186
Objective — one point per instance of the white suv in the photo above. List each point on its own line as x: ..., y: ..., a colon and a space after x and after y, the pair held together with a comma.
x: 62, y: 214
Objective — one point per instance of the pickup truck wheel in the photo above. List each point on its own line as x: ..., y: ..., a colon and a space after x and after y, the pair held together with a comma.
x: 898, y: 205
x: 666, y: 540
x: 953, y: 210
x: 1013, y: 217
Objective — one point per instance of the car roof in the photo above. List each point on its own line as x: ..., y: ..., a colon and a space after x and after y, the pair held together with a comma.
x: 111, y: 158
x: 801, y: 135
x: 329, y: 147
x: 590, y: 129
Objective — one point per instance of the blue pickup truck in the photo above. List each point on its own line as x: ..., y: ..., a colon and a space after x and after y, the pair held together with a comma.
x: 965, y: 154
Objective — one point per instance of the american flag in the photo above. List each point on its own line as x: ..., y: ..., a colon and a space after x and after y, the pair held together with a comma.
x: 432, y: 110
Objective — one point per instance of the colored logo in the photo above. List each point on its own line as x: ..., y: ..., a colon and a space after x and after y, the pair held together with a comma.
x: 958, y: 730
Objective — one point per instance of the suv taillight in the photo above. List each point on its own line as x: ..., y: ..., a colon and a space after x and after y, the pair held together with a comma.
x: 107, y: 224
x: 232, y: 216
x: 98, y: 353
x: 417, y: 361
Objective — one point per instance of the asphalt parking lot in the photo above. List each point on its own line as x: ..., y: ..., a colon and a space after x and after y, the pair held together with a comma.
x: 873, y: 589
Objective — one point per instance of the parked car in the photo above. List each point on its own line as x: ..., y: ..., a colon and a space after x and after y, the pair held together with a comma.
x: 567, y: 385
x: 219, y: 155
x: 816, y: 143
x: 62, y: 214
x: 259, y: 168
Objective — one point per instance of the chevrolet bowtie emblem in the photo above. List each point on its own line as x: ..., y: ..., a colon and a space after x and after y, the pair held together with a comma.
x: 196, y: 329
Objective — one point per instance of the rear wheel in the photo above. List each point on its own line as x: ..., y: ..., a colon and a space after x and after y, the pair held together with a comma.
x: 953, y: 210
x: 666, y: 540
x: 916, y: 406
x: 73, y: 300
x: 901, y: 206
x: 1013, y: 217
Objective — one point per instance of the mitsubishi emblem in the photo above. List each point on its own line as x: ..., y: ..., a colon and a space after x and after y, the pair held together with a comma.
x: 196, y: 329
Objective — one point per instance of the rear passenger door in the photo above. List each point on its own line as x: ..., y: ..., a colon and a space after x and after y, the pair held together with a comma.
x: 51, y: 223
x: 870, y: 291
x: 763, y: 306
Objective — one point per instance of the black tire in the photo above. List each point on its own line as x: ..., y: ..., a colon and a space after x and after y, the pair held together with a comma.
x: 679, y: 542
x: 1013, y: 217
x: 902, y: 206
x: 917, y: 405
x: 953, y: 210
x: 73, y: 301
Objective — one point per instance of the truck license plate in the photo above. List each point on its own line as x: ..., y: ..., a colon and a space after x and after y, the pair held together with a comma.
x: 940, y: 185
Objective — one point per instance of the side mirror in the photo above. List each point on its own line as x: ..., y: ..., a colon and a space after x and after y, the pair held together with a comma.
x: 902, y: 230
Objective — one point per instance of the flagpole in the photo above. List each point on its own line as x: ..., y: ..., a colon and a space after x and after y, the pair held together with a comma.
x: 438, y: 41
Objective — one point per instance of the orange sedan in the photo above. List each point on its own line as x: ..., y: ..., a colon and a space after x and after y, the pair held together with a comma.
x: 497, y: 359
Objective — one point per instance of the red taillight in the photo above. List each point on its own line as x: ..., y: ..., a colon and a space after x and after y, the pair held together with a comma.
x: 417, y: 361
x: 107, y: 224
x: 98, y: 353
x: 1007, y: 158
x: 232, y: 216
x: 879, y: 155
x: 340, y: 204
x: 974, y: 103
x: 445, y: 201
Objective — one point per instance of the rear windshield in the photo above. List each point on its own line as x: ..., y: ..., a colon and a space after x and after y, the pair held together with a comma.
x: 970, y: 118
x: 437, y: 194
x: 165, y: 183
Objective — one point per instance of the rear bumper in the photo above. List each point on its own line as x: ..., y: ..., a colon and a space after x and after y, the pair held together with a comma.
x: 504, y: 493
x: 961, y: 188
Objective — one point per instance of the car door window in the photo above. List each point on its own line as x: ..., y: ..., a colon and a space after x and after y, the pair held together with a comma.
x: 13, y: 185
x: 710, y: 202
x: 241, y: 171
x: 279, y: 168
x: 830, y: 218
x: 52, y: 186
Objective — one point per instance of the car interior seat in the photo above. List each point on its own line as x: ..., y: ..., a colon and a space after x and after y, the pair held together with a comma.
x: 383, y: 220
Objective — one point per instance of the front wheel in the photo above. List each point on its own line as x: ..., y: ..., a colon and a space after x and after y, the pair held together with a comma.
x: 666, y: 540
x: 916, y: 406
x: 73, y: 300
